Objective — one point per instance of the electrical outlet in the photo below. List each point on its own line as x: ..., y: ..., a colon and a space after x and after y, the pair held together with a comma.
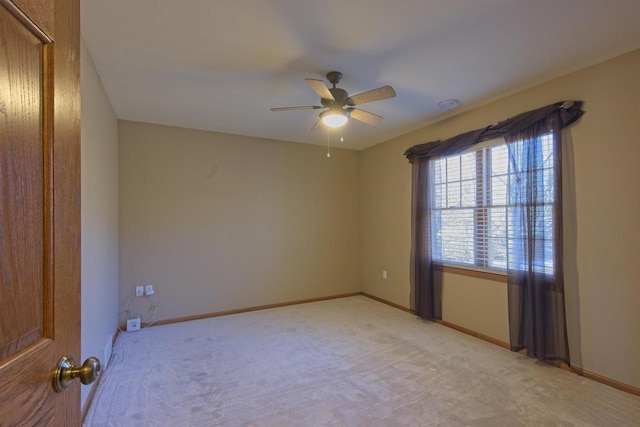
x: 148, y: 290
x: 133, y: 324
x: 384, y: 274
x: 140, y: 291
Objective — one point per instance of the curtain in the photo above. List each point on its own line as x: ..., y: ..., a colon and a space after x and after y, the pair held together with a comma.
x: 426, y: 282
x: 426, y: 285
x: 536, y: 298
x: 534, y: 242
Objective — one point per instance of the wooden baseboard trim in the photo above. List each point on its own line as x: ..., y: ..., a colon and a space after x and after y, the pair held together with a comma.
x: 444, y: 323
x: 250, y: 309
x: 582, y: 372
x: 384, y: 301
x: 95, y: 385
x: 587, y: 374
x: 608, y: 381
x: 475, y: 334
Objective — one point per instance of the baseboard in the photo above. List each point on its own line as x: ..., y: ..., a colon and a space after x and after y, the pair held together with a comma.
x: 392, y: 304
x: 443, y: 323
x: 250, y: 309
x: 582, y: 372
x: 608, y: 381
x: 587, y: 374
x: 95, y: 385
x: 475, y: 334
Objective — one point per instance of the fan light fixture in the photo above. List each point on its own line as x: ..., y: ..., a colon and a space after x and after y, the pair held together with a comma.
x: 340, y: 106
x: 334, y: 118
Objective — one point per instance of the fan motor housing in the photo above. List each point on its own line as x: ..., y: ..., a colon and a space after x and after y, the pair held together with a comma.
x: 340, y: 97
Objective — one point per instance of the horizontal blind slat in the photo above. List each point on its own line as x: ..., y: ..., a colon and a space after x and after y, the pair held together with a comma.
x: 476, y: 207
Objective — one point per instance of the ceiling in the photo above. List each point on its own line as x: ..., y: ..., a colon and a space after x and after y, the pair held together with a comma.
x: 220, y: 65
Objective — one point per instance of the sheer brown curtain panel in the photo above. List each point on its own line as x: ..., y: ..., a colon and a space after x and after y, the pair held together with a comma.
x: 536, y: 295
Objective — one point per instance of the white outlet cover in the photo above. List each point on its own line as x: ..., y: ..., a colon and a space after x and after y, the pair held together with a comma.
x: 133, y: 324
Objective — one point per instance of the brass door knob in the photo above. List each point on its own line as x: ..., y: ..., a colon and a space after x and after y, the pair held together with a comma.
x: 67, y: 371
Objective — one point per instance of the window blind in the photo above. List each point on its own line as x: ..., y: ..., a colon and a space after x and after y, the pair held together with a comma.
x: 477, y: 216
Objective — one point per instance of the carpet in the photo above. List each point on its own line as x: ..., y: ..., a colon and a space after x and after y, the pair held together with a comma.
x: 344, y: 362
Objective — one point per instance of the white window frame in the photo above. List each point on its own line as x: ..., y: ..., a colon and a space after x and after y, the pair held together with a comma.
x: 481, y: 260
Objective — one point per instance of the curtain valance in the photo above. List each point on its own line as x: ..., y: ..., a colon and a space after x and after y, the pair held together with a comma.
x: 567, y: 113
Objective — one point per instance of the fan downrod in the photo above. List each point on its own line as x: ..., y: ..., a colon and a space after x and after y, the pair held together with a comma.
x: 334, y: 77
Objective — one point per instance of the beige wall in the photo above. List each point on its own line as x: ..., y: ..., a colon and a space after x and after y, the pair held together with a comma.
x: 476, y: 304
x: 385, y: 222
x: 99, y: 218
x: 604, y: 289
x: 218, y: 222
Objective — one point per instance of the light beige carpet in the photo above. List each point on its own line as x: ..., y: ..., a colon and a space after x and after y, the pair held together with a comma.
x: 345, y: 362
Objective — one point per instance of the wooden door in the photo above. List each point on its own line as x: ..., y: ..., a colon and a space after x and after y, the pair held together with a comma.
x: 39, y: 209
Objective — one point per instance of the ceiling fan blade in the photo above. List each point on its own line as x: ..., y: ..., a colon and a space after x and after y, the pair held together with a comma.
x: 372, y: 95
x: 320, y: 88
x: 305, y: 107
x: 365, y: 116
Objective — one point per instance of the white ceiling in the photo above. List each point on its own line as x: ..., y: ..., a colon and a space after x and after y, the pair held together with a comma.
x: 221, y: 64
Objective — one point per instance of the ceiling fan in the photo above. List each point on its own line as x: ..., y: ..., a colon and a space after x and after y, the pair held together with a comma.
x: 339, y: 105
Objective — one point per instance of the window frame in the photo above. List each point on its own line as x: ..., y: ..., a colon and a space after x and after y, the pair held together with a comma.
x: 483, y: 188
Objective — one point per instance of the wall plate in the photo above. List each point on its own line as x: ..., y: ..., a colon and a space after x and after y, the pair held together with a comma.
x: 133, y: 324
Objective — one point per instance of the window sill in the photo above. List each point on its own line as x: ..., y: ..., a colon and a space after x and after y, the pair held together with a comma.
x: 495, y: 277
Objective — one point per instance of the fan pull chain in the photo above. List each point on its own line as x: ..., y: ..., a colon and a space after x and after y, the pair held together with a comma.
x: 341, y: 135
x: 328, y: 152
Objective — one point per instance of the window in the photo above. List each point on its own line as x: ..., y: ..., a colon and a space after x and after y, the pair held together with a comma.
x: 475, y: 205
